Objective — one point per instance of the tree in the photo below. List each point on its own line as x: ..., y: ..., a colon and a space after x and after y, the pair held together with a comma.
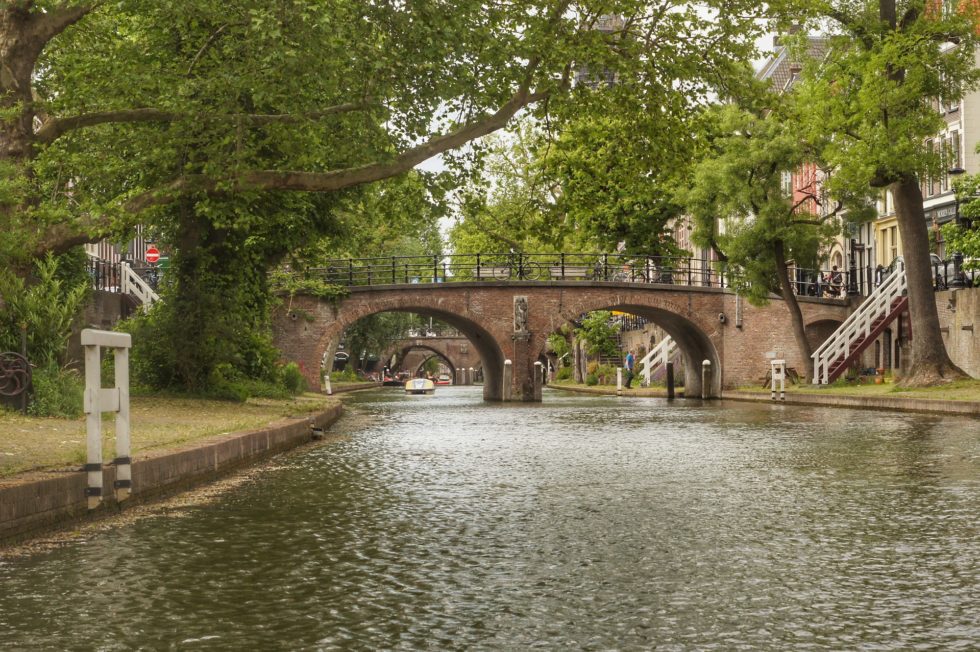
x: 599, y: 332
x: 740, y: 182
x: 143, y: 104
x: 242, y: 130
x: 871, y: 96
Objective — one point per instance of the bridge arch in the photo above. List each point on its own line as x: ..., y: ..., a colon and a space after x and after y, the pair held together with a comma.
x: 695, y: 335
x: 434, y: 352
x: 491, y: 356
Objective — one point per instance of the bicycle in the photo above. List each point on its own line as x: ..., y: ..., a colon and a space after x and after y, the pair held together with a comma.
x: 519, y: 268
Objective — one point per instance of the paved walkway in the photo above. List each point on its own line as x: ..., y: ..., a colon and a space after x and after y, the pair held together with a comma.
x: 891, y: 403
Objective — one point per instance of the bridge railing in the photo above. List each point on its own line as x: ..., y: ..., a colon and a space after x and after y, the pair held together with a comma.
x: 591, y: 267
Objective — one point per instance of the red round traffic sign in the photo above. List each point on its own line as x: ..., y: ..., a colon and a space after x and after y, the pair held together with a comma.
x: 152, y: 254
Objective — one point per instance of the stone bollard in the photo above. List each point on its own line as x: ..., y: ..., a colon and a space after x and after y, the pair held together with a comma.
x: 326, y: 385
x: 670, y: 380
x: 706, y: 379
x: 538, y: 380
x: 508, y: 381
x: 470, y: 377
x: 619, y: 381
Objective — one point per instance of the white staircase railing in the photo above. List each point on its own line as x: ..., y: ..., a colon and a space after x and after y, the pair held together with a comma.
x: 858, y: 325
x: 132, y: 283
x: 658, y: 356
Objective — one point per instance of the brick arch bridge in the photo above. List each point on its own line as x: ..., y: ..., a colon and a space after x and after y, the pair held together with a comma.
x: 456, y: 351
x: 511, y: 320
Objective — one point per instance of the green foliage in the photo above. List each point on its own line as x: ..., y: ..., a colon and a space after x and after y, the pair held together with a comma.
x: 281, y: 281
x: 47, y: 304
x: 740, y: 178
x: 592, y: 379
x: 865, y: 99
x: 292, y: 378
x: 57, y: 392
x: 563, y: 373
x: 558, y: 343
x: 598, y: 331
x: 348, y: 375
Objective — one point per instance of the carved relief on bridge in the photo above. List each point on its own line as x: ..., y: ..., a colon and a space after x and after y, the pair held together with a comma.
x: 520, y: 314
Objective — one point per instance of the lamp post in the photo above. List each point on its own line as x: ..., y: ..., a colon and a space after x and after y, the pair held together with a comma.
x: 958, y: 276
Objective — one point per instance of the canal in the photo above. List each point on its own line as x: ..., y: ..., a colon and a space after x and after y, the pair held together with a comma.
x: 586, y: 522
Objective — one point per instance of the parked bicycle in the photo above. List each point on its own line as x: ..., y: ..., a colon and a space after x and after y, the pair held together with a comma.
x: 519, y: 267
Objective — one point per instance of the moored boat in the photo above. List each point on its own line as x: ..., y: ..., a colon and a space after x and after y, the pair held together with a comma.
x: 420, y: 386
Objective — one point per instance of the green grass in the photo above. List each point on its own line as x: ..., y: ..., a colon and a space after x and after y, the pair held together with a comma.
x: 961, y: 390
x: 157, y: 423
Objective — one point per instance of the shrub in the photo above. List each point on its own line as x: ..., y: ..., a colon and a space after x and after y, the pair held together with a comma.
x: 57, y: 393
x: 348, y: 375
x: 565, y: 373
x: 292, y: 378
x: 592, y: 379
x: 606, y: 371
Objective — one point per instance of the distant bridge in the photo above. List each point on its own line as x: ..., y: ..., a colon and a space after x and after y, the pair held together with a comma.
x: 507, y: 305
x: 455, y: 351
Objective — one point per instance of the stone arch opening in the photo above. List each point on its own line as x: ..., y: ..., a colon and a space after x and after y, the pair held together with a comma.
x: 435, y: 353
x: 818, y: 331
x: 491, y: 357
x: 694, y: 343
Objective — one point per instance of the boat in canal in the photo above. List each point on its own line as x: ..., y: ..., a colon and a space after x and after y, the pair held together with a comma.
x: 420, y: 386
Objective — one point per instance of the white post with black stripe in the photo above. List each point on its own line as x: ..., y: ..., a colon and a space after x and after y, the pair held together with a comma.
x: 99, y: 400
x: 778, y: 373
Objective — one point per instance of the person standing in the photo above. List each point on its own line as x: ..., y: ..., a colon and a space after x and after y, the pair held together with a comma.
x: 630, y: 362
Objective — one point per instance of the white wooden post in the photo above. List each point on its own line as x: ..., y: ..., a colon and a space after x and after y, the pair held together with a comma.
x: 123, y: 461
x: 326, y: 383
x: 779, y: 373
x: 619, y: 381
x: 508, y: 381
x: 97, y: 401
x: 706, y: 379
x: 93, y: 425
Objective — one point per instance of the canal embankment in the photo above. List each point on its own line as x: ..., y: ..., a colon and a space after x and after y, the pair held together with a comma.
x: 53, y: 497
x: 868, y: 398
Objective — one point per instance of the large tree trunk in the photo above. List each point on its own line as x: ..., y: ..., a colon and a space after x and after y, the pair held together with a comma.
x: 930, y: 362
x: 796, y: 315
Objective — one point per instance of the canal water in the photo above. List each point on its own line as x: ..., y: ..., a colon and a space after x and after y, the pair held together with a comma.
x: 443, y: 522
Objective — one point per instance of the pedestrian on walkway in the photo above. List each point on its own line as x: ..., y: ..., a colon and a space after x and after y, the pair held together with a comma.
x: 630, y: 362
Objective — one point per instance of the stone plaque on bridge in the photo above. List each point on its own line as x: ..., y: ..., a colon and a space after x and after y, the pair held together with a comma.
x: 520, y: 314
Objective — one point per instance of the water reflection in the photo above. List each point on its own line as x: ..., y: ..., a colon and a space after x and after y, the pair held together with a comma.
x: 584, y: 523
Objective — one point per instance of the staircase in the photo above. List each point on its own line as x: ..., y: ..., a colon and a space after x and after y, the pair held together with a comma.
x: 657, y: 358
x: 862, y: 328
x: 133, y: 284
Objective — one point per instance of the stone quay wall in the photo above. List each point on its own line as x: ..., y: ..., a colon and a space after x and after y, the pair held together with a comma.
x: 31, y: 506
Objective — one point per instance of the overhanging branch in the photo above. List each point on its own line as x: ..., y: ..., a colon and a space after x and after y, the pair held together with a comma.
x: 53, y: 129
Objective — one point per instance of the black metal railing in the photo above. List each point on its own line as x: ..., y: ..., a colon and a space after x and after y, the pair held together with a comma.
x: 396, y: 270
x: 592, y: 267
x: 107, y: 276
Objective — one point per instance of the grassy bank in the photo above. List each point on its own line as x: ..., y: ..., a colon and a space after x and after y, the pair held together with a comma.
x: 964, y: 390
x: 157, y: 423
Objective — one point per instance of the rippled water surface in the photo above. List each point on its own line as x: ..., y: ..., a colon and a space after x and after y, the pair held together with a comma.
x: 597, y: 523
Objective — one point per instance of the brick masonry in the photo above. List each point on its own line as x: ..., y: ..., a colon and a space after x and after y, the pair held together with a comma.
x: 708, y: 324
x: 28, y: 507
x: 959, y: 315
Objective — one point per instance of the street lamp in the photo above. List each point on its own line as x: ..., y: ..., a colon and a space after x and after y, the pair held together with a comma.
x: 959, y: 279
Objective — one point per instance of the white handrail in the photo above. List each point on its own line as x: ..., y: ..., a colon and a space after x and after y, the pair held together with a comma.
x: 133, y: 283
x: 657, y: 357
x: 858, y: 324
